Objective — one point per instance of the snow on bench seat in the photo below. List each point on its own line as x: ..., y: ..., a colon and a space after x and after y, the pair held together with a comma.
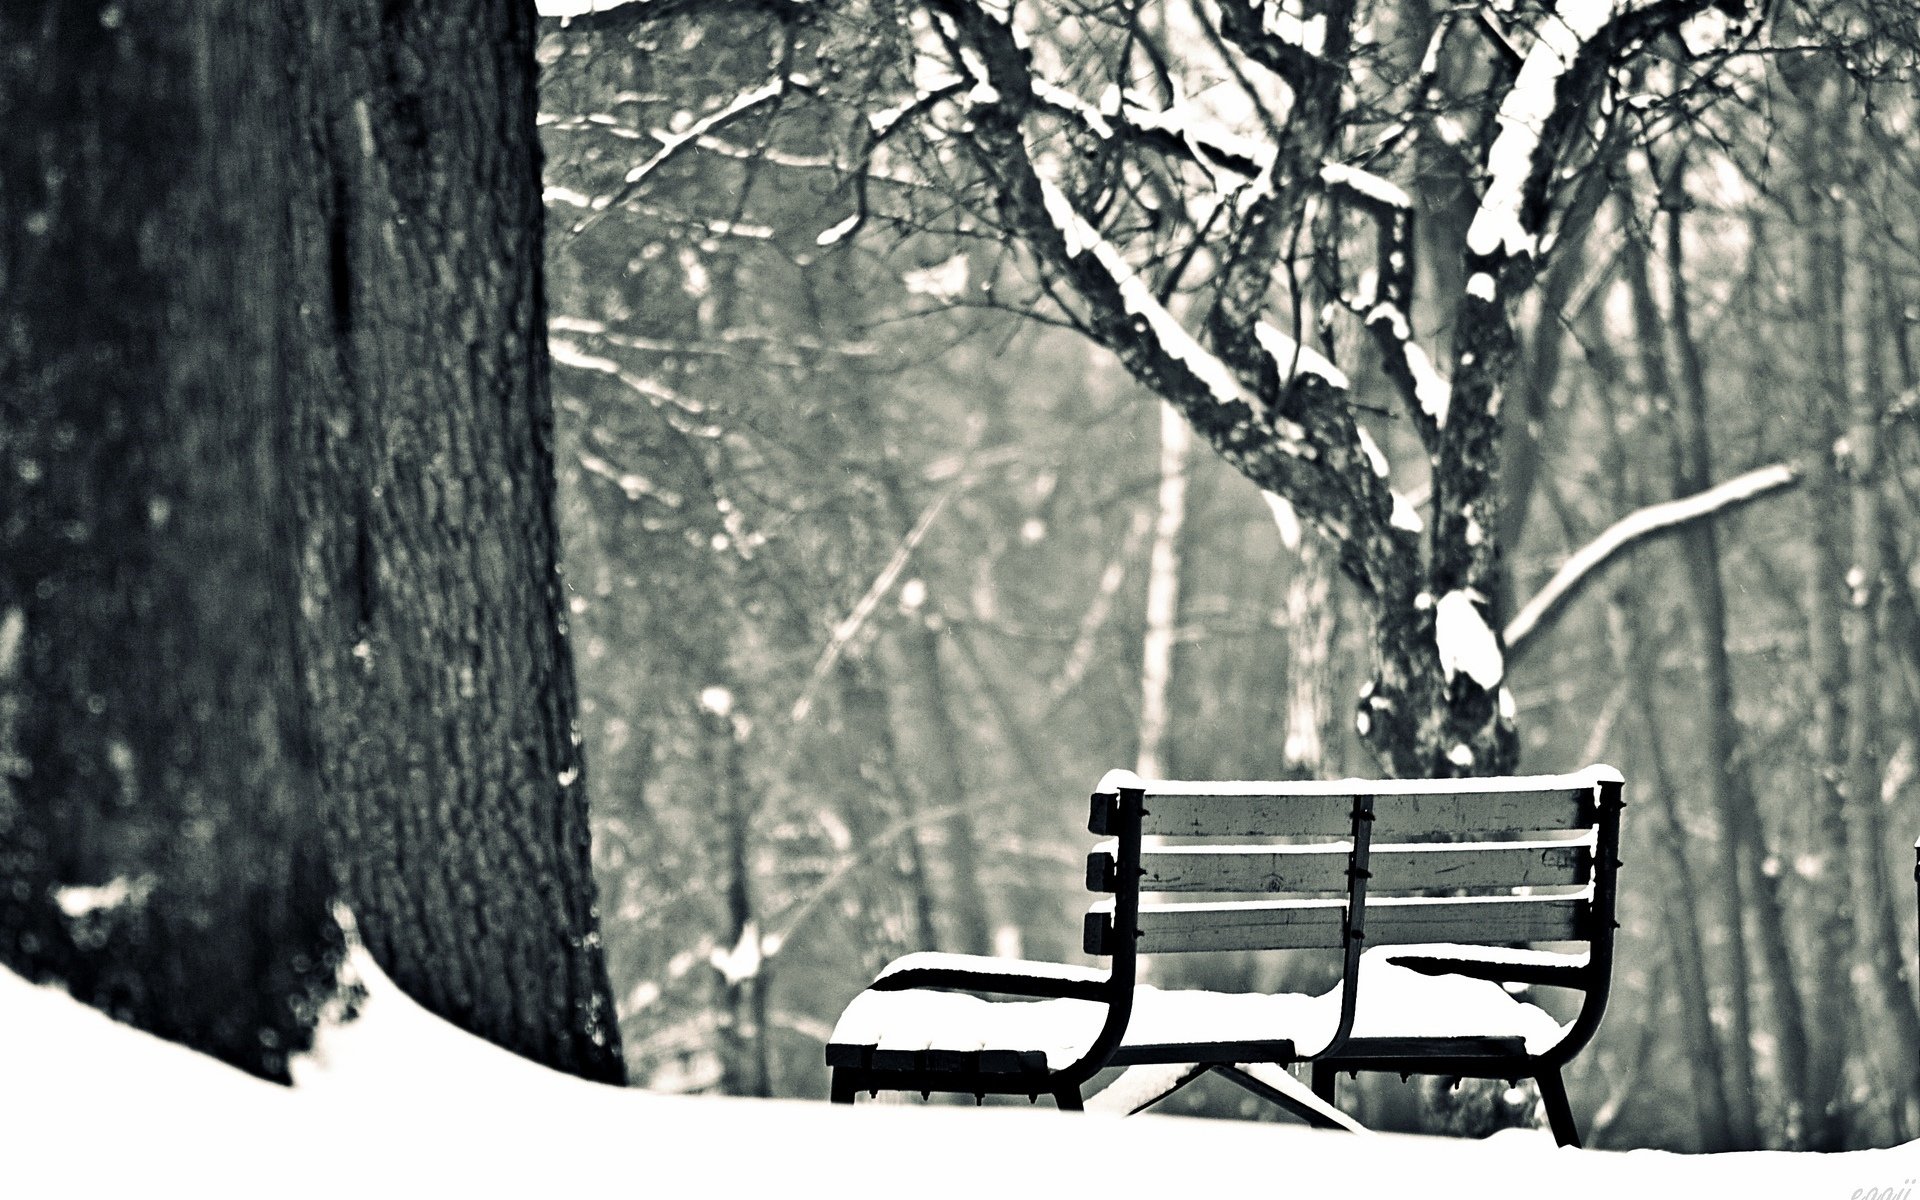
x: 1509, y: 955
x: 980, y: 964
x: 1394, y: 1003
x: 1580, y: 780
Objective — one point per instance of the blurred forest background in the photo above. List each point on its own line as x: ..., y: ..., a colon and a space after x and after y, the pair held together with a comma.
x: 876, y: 563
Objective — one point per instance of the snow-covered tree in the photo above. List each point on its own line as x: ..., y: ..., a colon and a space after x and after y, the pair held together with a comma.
x: 1304, y: 225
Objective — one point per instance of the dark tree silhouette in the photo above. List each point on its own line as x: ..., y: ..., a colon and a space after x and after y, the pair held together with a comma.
x: 159, y: 845
x: 276, y: 415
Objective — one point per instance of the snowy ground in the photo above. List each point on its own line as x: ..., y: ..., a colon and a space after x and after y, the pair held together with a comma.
x: 400, y: 1103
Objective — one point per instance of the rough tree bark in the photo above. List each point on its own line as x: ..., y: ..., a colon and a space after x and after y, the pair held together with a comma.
x: 158, y: 848
x: 258, y: 321
x: 438, y: 667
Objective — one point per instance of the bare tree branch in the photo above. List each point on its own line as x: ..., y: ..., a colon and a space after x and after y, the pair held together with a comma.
x: 1630, y: 531
x: 850, y: 625
x: 672, y: 143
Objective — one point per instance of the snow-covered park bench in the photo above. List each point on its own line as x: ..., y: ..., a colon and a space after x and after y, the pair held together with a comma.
x: 1441, y: 897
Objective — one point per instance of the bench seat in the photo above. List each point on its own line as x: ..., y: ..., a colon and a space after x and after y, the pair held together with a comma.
x: 895, y: 1028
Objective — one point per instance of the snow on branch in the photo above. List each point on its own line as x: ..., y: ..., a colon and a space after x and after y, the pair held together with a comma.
x: 1167, y: 333
x: 79, y: 902
x: 672, y: 143
x: 567, y: 354
x: 1293, y: 358
x: 1365, y: 186
x: 1309, y: 35
x: 616, y: 16
x: 1406, y: 362
x: 632, y: 484
x: 1653, y: 521
x: 1274, y: 35
x: 1202, y: 139
x: 1522, y: 120
x: 1182, y: 130
x: 1386, y: 295
x: 838, y: 232
x: 882, y: 126
x: 1055, y: 96
x: 567, y: 10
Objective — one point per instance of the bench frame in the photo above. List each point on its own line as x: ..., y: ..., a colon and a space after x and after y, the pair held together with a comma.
x: 1118, y: 814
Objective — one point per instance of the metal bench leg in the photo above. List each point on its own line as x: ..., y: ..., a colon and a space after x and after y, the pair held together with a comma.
x: 1067, y: 1099
x: 1142, y: 1087
x: 1325, y: 1081
x: 842, y: 1088
x: 1270, y: 1082
x: 1553, y: 1093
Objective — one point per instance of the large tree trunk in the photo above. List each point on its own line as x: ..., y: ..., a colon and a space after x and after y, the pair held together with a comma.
x: 438, y: 665
x: 158, y: 848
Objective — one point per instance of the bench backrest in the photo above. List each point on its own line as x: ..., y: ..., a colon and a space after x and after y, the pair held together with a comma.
x: 1339, y: 863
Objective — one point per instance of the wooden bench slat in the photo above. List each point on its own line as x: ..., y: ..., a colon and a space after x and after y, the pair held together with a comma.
x: 1396, y: 817
x: 1323, y: 867
x: 1310, y: 924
